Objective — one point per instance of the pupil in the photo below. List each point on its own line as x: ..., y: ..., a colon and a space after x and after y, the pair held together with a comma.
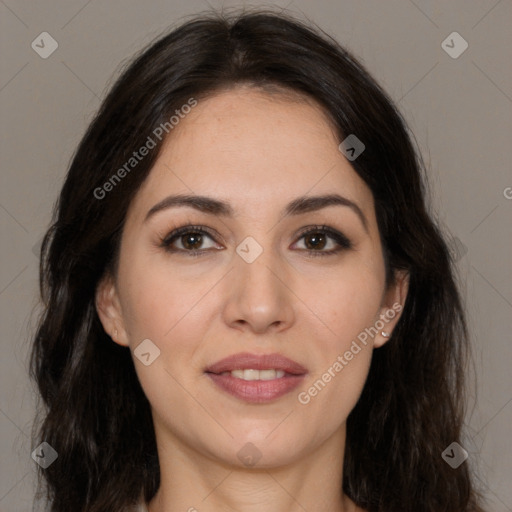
x: 318, y: 240
x: 192, y: 236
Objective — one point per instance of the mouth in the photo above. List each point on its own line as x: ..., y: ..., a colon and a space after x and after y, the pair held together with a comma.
x: 256, y: 378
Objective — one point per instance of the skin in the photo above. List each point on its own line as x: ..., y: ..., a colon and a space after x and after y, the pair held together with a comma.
x: 258, y: 152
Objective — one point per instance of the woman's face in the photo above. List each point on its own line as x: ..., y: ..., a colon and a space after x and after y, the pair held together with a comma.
x: 257, y: 286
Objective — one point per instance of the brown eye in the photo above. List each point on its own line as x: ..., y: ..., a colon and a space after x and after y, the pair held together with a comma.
x: 315, y: 241
x: 324, y: 241
x: 189, y: 240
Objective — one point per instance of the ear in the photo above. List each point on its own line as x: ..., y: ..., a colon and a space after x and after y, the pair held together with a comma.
x: 392, y: 306
x: 109, y: 310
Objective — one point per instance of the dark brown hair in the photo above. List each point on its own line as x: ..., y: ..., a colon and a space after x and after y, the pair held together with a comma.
x: 94, y: 412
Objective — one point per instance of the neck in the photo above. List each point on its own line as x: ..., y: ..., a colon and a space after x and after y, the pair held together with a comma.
x: 192, y: 481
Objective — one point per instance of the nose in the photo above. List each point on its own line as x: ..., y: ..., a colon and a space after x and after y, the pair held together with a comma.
x: 260, y: 297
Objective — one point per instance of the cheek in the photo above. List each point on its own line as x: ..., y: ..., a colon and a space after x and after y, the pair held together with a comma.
x: 349, y: 301
x: 348, y: 304
x: 342, y: 355
x: 164, y: 307
x: 155, y: 296
x: 173, y: 309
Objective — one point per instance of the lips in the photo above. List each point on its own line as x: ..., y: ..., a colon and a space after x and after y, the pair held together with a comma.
x: 291, y: 374
x: 246, y: 361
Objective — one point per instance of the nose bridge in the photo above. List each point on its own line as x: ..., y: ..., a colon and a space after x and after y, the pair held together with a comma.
x: 258, y: 293
x: 261, y: 274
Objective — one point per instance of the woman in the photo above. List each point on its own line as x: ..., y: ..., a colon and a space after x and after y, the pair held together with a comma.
x: 247, y: 303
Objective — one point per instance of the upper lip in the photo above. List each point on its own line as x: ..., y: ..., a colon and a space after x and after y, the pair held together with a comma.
x: 245, y: 360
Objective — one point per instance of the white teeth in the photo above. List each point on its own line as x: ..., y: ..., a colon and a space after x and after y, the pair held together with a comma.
x: 270, y: 374
x: 250, y: 374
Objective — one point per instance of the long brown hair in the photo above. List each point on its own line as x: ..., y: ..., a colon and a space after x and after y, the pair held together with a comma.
x: 94, y: 412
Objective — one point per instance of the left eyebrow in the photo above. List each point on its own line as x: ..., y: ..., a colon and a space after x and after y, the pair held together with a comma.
x: 300, y: 205
x: 307, y: 204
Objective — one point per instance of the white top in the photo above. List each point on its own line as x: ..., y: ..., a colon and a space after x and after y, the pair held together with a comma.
x: 140, y: 507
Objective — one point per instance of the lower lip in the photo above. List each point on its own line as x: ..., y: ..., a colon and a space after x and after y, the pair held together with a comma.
x: 256, y: 391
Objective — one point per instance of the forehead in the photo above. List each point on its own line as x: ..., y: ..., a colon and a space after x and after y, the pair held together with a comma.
x: 255, y: 150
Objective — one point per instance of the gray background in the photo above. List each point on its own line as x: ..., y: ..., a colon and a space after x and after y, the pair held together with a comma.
x: 459, y: 110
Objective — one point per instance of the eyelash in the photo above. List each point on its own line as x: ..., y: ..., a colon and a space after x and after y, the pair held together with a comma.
x: 342, y: 241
